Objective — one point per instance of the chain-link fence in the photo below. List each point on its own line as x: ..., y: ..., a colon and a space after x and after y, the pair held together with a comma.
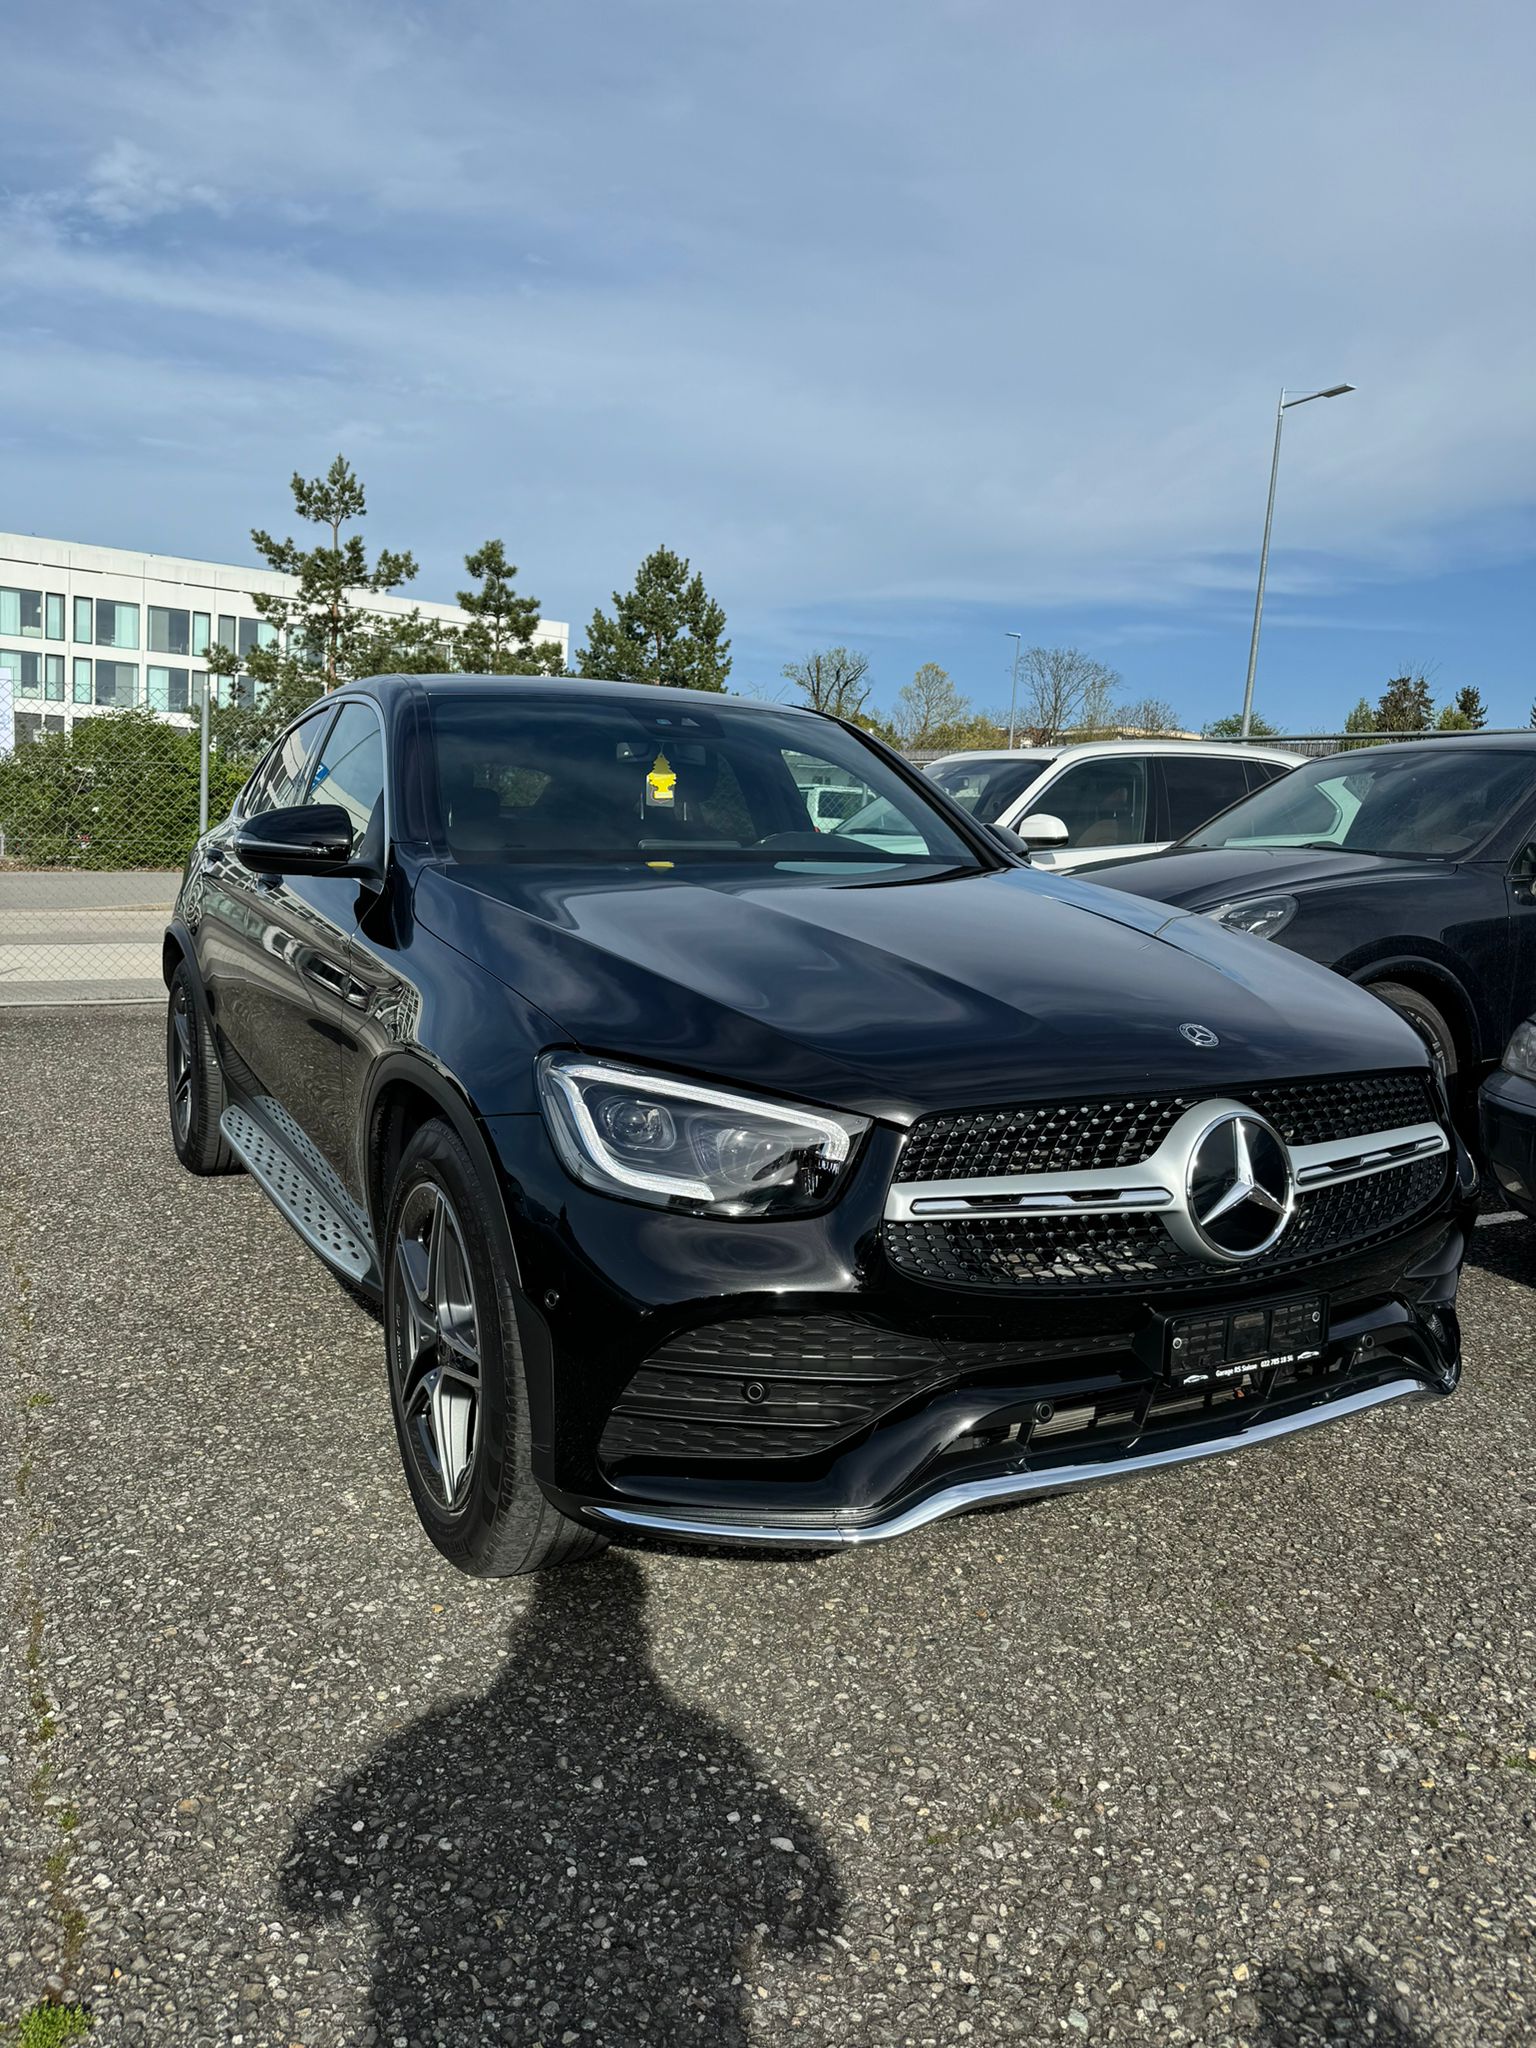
x: 98, y: 810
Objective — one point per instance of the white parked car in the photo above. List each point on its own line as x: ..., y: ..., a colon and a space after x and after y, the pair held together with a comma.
x: 829, y: 803
x: 1105, y: 799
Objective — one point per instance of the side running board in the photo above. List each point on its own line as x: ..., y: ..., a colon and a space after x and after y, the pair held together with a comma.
x: 299, y: 1191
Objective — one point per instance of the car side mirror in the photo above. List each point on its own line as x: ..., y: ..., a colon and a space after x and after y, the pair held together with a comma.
x: 1041, y: 829
x: 1007, y: 838
x: 301, y: 839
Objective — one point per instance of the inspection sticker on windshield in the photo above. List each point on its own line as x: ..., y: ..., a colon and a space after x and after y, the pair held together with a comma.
x: 661, y: 783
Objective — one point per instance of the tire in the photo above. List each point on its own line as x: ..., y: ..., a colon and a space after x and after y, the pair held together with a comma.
x: 456, y: 1384
x: 194, y: 1087
x: 1429, y: 1022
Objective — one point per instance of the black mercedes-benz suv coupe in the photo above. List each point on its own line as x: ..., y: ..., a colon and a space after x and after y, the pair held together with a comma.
x: 722, y: 1178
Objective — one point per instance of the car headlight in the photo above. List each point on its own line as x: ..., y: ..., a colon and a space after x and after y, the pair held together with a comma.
x: 1520, y: 1053
x: 1260, y: 916
x: 651, y: 1138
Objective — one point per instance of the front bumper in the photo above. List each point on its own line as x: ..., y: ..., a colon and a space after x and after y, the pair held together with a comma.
x: 1507, y: 1117
x: 1005, y: 1489
x: 785, y: 1384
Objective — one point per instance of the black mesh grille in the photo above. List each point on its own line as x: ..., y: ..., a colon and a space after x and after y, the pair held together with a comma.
x: 768, y: 1387
x: 1118, y: 1131
x: 1116, y: 1252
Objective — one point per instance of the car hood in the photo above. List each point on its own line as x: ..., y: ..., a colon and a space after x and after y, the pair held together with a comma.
x: 896, y: 999
x: 1201, y: 877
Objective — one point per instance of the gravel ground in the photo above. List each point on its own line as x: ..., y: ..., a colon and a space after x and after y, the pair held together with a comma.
x: 1242, y: 1754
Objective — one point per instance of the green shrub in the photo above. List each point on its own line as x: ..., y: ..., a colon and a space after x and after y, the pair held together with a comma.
x: 117, y: 791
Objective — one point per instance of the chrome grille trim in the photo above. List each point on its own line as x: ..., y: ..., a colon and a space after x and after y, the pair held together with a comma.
x: 1153, y: 1184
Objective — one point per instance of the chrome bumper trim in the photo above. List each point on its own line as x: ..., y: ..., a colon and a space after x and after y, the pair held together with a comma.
x: 1005, y: 1488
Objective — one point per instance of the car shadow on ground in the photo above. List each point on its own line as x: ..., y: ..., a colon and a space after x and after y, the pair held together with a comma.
x: 575, y: 1852
x: 1328, y: 2006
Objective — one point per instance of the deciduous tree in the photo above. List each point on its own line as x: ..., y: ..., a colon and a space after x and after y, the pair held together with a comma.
x: 668, y: 629
x: 927, y: 709
x: 832, y: 680
x: 1231, y: 728
x: 1147, y: 717
x: 1056, y: 685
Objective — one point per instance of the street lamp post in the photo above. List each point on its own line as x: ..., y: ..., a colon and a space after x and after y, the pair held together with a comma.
x: 1333, y: 391
x: 1013, y: 693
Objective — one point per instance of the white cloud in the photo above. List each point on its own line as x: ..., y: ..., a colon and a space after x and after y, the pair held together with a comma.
x: 882, y: 304
x: 126, y: 187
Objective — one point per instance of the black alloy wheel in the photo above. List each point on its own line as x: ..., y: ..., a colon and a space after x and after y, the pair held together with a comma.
x: 194, y: 1086
x: 456, y: 1381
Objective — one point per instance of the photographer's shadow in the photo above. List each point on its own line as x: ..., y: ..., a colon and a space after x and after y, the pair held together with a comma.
x: 574, y: 1851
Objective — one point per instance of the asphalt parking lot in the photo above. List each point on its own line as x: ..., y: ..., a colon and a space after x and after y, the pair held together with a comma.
x: 1243, y: 1754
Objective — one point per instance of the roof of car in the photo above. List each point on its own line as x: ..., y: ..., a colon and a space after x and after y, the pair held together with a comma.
x: 583, y: 686
x: 1080, y: 748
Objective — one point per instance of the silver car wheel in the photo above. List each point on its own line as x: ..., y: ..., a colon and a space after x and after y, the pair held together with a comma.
x: 434, y: 1345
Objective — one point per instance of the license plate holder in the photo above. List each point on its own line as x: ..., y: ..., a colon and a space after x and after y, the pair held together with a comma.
x: 1224, y: 1344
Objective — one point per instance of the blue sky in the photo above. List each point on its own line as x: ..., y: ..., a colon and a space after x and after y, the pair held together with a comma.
x: 910, y: 324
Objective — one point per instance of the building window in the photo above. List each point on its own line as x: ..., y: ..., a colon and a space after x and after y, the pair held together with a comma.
x: 55, y: 615
x: 170, y: 632
x: 226, y: 631
x: 85, y: 626
x: 26, y: 671
x: 81, y: 690
x: 21, y: 613
x: 53, y: 678
x: 117, y: 625
x: 201, y: 632
x: 117, y: 682
x: 168, y: 689
x: 199, y: 687
x: 255, y: 633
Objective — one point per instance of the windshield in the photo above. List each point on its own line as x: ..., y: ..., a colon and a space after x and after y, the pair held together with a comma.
x: 987, y: 788
x: 1437, y: 804
x: 530, y: 775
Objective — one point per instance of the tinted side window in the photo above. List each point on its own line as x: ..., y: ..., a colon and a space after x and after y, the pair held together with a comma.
x: 280, y: 779
x: 1260, y: 772
x: 350, y: 770
x: 1197, y: 787
x: 1101, y: 803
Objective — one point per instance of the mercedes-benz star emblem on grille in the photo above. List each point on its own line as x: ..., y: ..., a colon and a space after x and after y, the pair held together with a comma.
x: 1239, y: 1187
x: 1200, y: 1034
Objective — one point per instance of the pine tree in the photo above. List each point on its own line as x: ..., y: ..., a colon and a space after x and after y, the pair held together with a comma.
x: 1469, y: 702
x: 668, y: 629
x: 1405, y: 706
x: 321, y: 625
x: 498, y: 641
x: 1361, y: 719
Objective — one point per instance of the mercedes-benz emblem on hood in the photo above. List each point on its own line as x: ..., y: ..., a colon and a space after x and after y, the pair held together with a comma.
x: 1239, y: 1186
x: 1199, y: 1034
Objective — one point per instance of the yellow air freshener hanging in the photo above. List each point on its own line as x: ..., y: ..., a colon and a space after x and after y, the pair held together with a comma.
x: 661, y: 783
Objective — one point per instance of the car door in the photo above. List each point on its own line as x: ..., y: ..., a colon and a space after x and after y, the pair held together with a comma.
x: 1194, y: 788
x: 246, y: 934
x: 349, y: 771
x: 284, y: 990
x: 1104, y: 804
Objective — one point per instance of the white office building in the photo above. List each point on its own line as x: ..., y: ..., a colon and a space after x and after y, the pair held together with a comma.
x: 85, y: 629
